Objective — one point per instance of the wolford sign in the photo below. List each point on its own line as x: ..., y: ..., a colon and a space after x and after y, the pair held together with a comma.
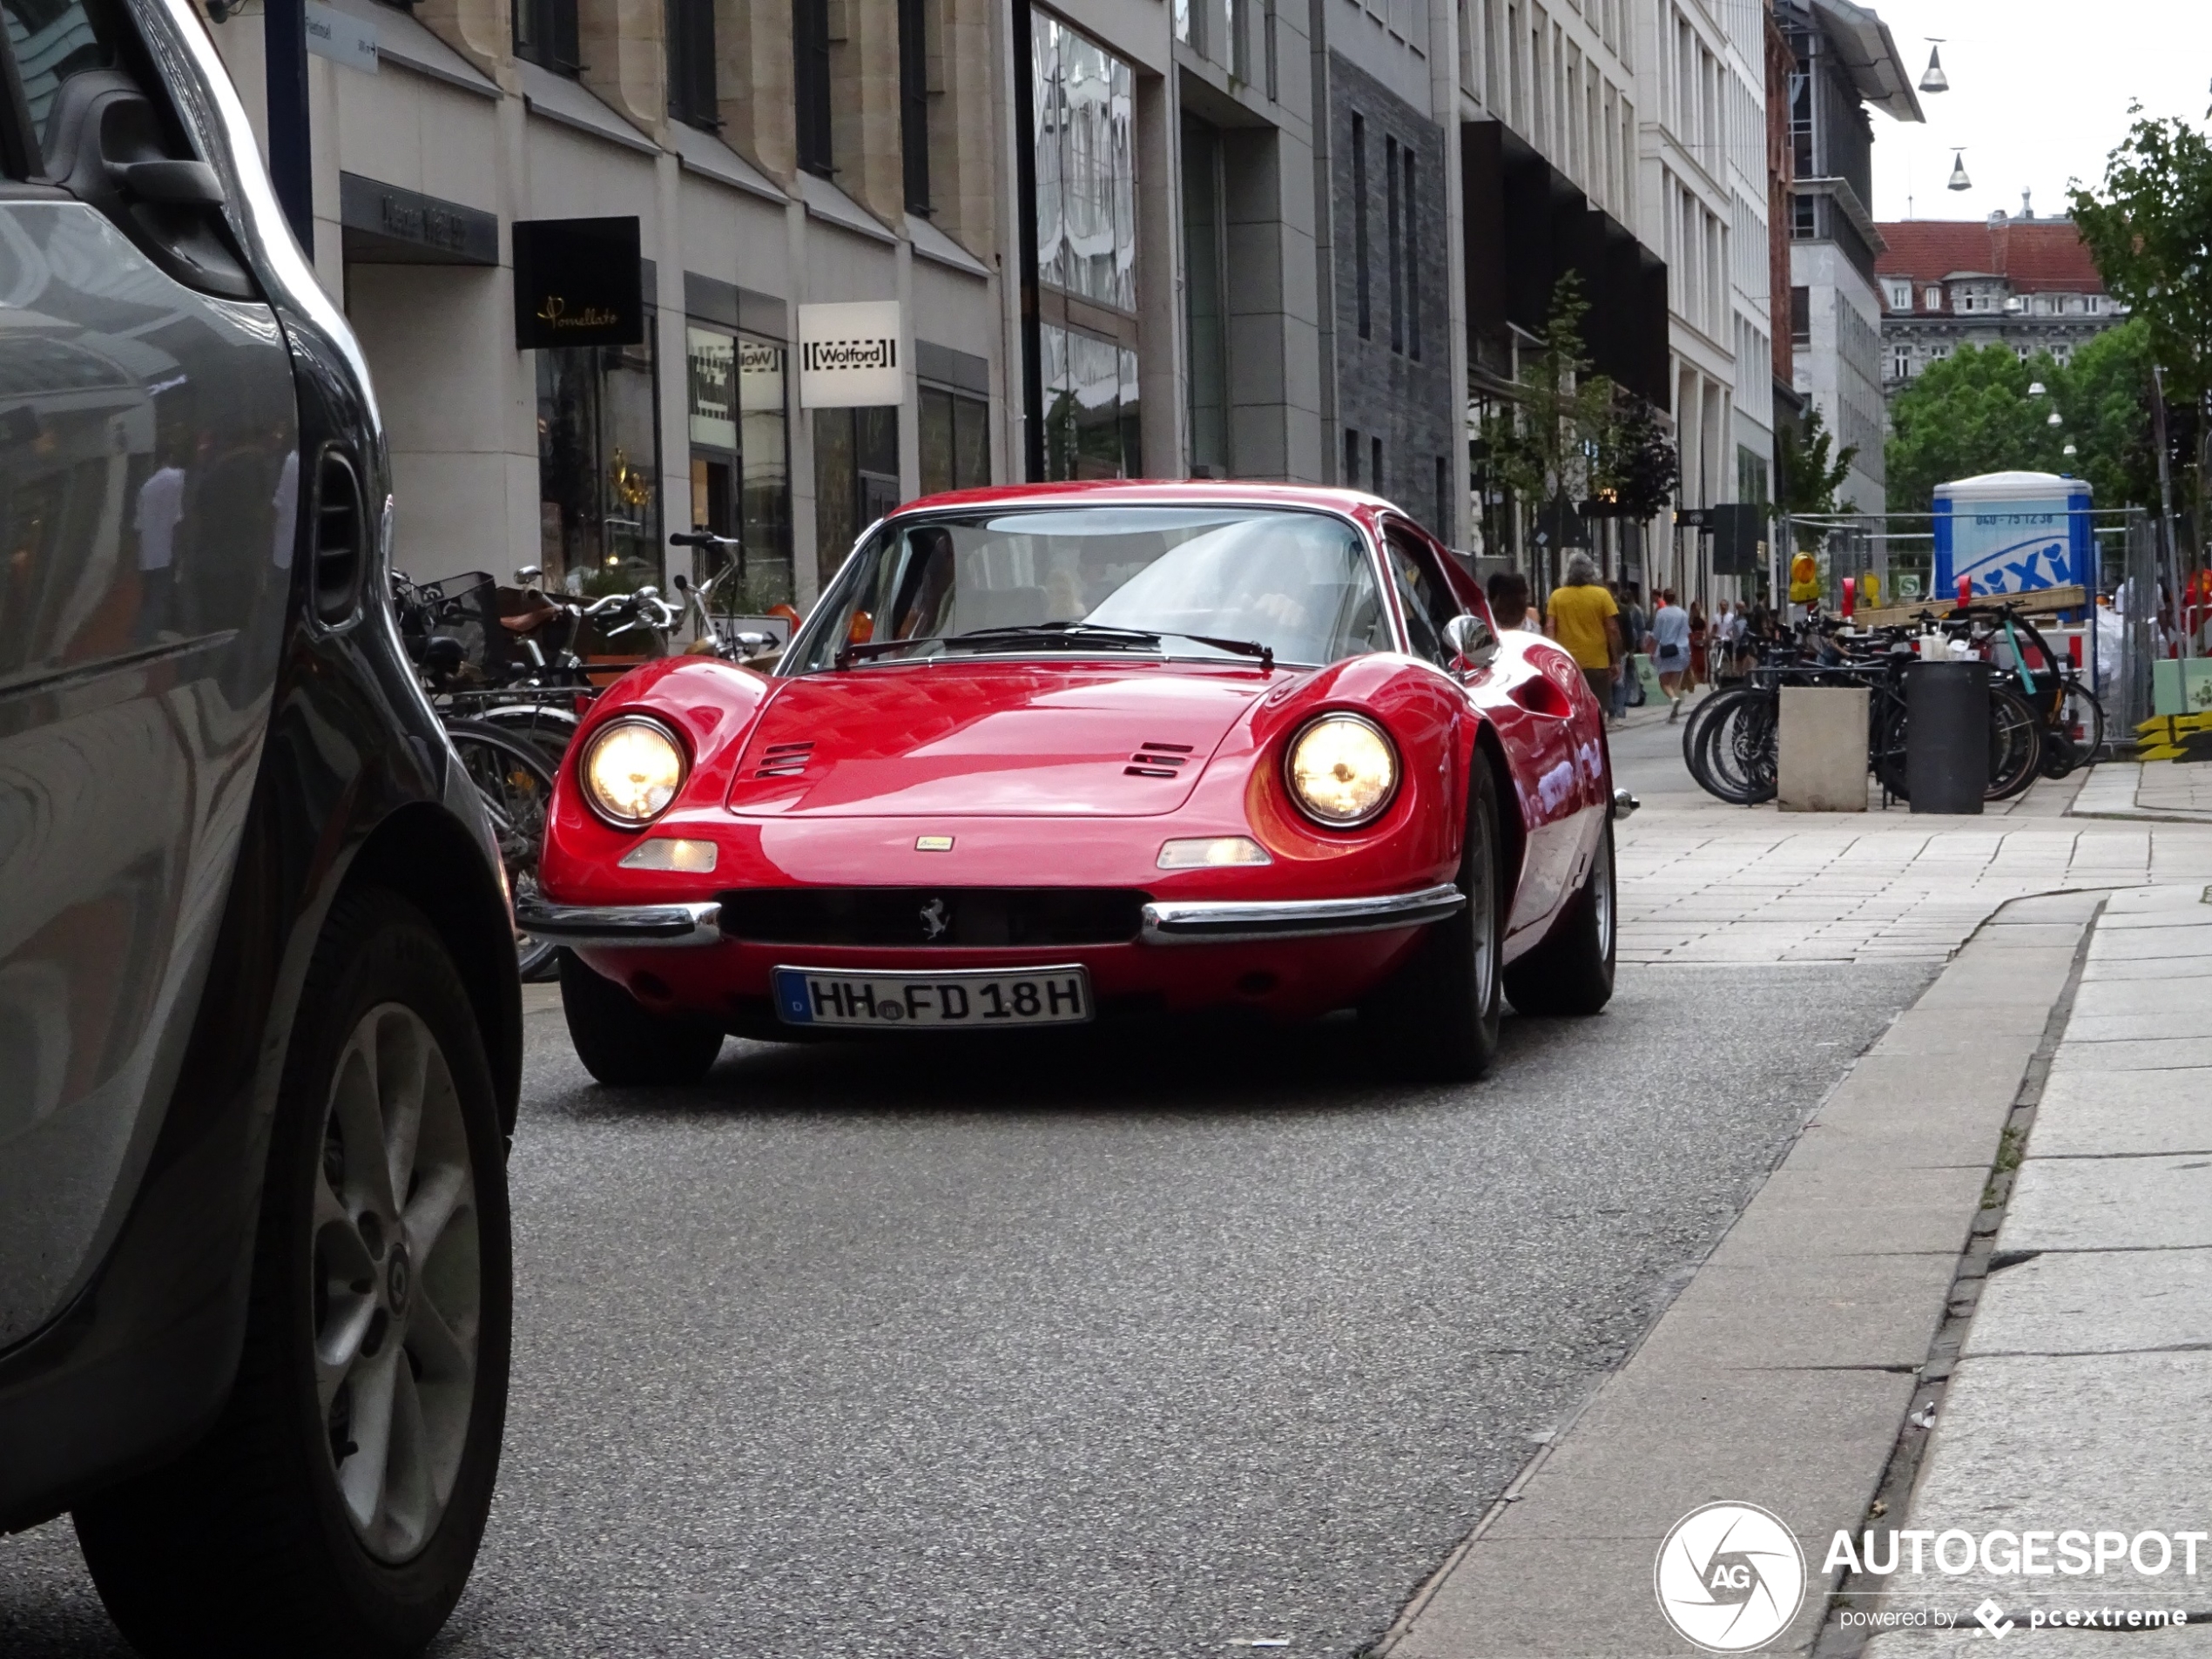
x: 848, y: 355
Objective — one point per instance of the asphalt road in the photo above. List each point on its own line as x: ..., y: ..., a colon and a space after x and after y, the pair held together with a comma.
x: 1077, y: 1348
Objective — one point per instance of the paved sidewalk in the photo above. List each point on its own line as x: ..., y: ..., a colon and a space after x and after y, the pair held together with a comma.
x: 2083, y: 1398
x: 1782, y: 1372
x: 1703, y: 881
x: 2162, y: 791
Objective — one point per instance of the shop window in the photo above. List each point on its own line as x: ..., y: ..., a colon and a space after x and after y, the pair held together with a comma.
x: 1090, y: 406
x: 545, y: 33
x: 856, y: 478
x: 955, y: 433
x: 598, y: 466
x: 690, y: 63
x: 740, y: 475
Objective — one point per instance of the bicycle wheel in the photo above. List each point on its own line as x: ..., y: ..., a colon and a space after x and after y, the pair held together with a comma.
x: 2083, y: 718
x: 546, y: 727
x: 1736, y: 759
x: 515, y: 781
x: 2015, y: 744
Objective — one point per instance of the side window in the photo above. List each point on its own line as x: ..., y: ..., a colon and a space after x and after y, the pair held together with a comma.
x: 51, y: 41
x: 1423, y: 592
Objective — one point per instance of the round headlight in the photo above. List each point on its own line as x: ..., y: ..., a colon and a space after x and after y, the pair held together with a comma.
x: 631, y: 771
x: 1342, y: 770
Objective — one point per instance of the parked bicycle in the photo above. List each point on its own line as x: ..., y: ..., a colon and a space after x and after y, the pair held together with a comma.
x: 1731, y: 742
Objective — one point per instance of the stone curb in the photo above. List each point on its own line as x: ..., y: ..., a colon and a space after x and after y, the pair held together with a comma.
x: 1781, y: 1373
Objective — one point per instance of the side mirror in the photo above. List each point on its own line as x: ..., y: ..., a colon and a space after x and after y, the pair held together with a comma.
x: 1473, y: 643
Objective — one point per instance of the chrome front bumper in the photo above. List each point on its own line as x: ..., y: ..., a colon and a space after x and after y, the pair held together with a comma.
x: 1228, y: 921
x: 628, y: 925
x: 1206, y: 921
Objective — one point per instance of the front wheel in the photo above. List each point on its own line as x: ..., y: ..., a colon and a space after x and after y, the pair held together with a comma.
x: 1441, y: 1014
x: 1571, y: 972
x: 621, y: 1042
x: 336, y: 1507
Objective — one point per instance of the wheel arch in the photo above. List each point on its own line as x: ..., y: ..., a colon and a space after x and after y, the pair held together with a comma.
x: 425, y: 855
x: 1490, y: 750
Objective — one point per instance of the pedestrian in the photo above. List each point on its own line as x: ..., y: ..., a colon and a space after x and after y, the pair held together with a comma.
x: 1508, y: 595
x: 1618, y: 707
x: 1582, y: 617
x: 1701, y: 672
x: 1720, y: 642
x: 1633, y: 623
x: 1669, y: 642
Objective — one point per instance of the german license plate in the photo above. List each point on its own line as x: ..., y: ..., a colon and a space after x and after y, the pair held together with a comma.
x: 960, y: 1000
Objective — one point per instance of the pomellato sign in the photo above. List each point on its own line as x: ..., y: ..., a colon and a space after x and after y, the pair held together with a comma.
x: 848, y: 355
x: 578, y: 282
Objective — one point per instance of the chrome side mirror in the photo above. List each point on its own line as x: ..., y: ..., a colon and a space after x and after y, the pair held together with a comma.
x: 1471, y: 642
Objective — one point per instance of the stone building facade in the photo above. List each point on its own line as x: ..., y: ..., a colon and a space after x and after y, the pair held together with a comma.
x: 2023, y: 283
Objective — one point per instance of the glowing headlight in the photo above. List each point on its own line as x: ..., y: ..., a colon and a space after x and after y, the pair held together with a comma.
x: 631, y: 771
x: 1342, y: 770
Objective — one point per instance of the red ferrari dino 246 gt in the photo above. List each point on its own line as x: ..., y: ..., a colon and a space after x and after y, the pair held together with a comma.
x: 1056, y: 754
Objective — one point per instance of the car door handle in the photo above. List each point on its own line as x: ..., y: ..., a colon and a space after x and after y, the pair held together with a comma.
x: 175, y: 184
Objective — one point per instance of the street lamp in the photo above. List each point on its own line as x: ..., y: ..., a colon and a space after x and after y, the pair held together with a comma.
x: 2054, y: 420
x: 1958, y: 179
x: 1935, y: 80
x: 2035, y: 388
x: 2068, y: 450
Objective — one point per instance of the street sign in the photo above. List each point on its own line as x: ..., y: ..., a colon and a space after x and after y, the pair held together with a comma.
x: 341, y: 37
x: 848, y: 355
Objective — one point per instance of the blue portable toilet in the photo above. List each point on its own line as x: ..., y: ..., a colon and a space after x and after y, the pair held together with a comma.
x: 2012, y: 532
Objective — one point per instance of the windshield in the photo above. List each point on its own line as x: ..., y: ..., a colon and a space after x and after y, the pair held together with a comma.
x: 1184, y: 582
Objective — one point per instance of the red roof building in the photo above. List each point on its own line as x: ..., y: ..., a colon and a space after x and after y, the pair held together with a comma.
x: 2024, y: 282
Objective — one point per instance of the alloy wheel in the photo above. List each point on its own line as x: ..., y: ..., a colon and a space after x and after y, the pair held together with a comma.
x: 398, y: 1282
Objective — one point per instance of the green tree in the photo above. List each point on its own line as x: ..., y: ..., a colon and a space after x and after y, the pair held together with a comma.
x: 1973, y: 412
x: 1544, y: 446
x: 2149, y: 226
x: 1806, y: 479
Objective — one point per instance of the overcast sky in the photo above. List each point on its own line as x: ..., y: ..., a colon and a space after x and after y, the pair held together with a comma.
x: 2039, y: 91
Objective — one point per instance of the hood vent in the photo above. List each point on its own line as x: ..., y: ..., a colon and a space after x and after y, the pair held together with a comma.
x: 1158, y: 761
x: 784, y: 760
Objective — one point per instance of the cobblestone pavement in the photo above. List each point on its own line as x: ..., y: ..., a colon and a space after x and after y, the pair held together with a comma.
x: 1706, y: 882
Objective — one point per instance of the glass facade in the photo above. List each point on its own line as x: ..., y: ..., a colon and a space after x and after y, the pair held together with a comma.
x: 1086, y: 168
x: 955, y: 433
x: 598, y: 466
x: 856, y: 479
x: 740, y: 469
x: 1090, y: 406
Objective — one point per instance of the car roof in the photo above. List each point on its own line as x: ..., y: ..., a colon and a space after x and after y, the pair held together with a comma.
x: 1158, y: 492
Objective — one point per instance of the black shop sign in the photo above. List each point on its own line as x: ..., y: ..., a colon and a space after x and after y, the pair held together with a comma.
x: 578, y: 282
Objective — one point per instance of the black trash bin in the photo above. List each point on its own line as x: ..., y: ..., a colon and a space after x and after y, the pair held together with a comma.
x: 1946, y: 736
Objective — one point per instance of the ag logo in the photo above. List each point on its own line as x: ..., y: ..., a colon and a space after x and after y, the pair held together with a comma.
x: 1729, y: 1577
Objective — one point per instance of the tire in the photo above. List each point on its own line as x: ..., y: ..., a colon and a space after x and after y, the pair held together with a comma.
x: 2015, y: 744
x: 1733, y: 758
x: 514, y: 779
x: 1440, y: 1015
x: 1571, y: 972
x: 545, y: 728
x: 275, y: 1535
x: 621, y: 1044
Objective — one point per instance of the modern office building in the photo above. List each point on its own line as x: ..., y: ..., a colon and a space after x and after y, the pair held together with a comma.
x: 1846, y: 62
x: 1216, y: 237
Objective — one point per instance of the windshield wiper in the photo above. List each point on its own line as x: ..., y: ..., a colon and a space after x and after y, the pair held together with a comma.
x: 1069, y: 633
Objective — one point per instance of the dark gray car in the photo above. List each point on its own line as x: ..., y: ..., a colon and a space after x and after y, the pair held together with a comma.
x: 260, y: 1033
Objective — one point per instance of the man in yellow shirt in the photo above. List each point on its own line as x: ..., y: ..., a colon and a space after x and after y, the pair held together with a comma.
x: 1583, y: 619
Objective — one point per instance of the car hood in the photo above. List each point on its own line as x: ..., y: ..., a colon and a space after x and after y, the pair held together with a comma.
x: 999, y: 740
